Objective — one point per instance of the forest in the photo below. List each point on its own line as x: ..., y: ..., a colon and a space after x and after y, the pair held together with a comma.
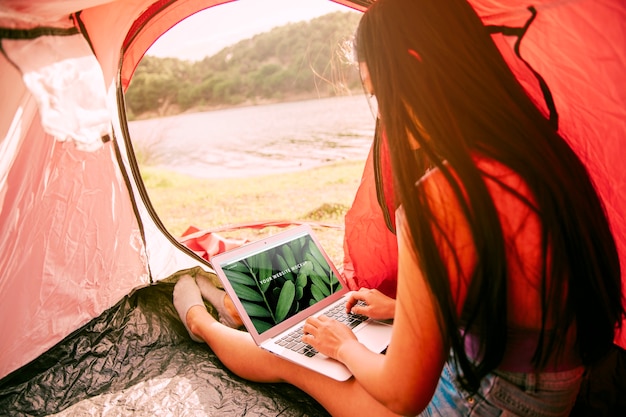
x: 296, y: 61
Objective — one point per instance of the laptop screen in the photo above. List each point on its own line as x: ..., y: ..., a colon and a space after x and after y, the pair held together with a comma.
x: 281, y: 280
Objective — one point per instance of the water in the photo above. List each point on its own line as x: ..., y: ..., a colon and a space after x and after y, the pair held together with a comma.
x: 260, y: 139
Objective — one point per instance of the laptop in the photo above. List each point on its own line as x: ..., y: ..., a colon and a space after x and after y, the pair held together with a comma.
x: 278, y: 282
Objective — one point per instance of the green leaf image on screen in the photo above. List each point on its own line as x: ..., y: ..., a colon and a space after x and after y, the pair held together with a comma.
x: 282, y: 281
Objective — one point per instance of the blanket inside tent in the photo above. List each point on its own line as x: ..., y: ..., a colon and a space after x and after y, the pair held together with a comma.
x: 87, y: 270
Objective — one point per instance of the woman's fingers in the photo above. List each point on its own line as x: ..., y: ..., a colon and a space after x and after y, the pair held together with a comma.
x: 309, y: 327
x: 355, y: 297
x: 326, y: 334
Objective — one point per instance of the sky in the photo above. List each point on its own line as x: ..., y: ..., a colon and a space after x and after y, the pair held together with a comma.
x: 209, y: 31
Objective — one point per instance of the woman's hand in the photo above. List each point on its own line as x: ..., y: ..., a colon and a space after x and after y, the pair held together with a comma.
x: 327, y: 335
x: 378, y: 305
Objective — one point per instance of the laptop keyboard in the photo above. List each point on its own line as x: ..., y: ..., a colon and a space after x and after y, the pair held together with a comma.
x: 293, y: 340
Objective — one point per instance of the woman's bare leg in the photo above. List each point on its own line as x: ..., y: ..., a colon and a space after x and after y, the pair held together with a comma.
x: 238, y: 352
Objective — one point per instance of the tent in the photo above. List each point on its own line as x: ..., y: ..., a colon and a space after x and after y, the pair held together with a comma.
x: 79, y: 240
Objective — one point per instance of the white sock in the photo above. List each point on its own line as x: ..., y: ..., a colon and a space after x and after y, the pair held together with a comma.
x: 186, y: 295
x: 215, y: 296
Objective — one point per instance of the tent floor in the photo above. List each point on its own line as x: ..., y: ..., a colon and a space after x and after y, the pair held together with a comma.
x: 137, y: 359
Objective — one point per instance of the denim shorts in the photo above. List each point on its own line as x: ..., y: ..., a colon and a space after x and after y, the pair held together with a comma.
x: 507, y: 394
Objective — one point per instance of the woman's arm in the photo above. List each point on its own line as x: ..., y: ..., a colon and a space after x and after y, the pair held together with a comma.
x: 405, y: 378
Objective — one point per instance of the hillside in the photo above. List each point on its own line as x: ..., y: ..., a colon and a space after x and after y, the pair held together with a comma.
x: 294, y: 61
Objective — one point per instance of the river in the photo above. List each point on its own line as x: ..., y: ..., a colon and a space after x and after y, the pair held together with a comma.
x: 257, y: 140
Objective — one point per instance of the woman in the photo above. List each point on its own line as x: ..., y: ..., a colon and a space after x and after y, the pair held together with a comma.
x: 508, y: 275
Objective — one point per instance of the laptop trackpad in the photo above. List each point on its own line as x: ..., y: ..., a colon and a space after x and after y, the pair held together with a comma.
x: 375, y: 336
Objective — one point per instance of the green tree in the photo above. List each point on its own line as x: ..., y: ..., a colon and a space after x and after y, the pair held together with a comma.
x: 294, y: 60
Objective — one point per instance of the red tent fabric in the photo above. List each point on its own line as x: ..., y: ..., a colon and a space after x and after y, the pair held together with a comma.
x: 570, y: 55
x: 370, y: 249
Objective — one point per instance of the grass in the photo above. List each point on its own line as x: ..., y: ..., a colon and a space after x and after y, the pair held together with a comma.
x: 318, y: 195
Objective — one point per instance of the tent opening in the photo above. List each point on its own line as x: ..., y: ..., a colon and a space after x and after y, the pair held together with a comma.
x: 264, y: 132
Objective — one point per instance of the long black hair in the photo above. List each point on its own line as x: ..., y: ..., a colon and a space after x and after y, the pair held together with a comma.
x: 438, y: 77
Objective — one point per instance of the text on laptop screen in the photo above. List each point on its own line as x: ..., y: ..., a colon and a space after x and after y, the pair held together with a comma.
x: 281, y: 281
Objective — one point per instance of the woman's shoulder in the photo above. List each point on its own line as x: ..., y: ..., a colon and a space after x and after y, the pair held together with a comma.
x: 491, y: 169
x: 502, y: 180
